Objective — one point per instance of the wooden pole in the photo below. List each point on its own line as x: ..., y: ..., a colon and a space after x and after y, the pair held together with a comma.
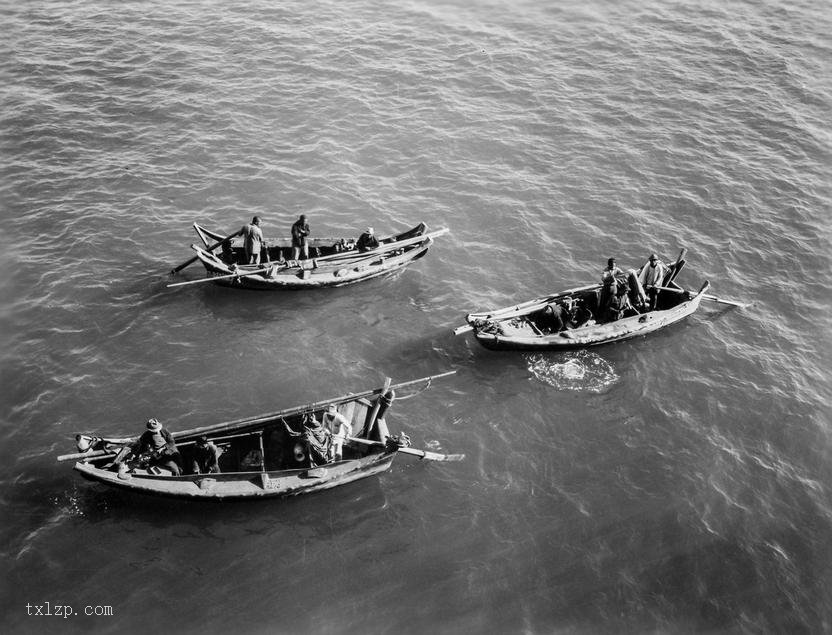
x: 179, y: 268
x: 239, y: 274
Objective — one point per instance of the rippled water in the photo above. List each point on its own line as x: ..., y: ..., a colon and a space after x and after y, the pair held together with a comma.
x: 675, y: 483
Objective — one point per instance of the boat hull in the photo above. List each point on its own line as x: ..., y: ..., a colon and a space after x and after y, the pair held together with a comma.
x: 334, y: 270
x: 595, y: 335
x: 246, y: 485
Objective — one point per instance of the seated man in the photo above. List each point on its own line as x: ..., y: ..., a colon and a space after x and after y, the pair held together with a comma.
x: 157, y: 445
x: 367, y: 240
x: 558, y: 315
x: 619, y: 305
x: 206, y: 457
x: 651, y: 276
x: 339, y: 429
x: 580, y: 314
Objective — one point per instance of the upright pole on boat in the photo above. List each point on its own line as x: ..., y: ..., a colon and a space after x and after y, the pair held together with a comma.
x: 371, y: 422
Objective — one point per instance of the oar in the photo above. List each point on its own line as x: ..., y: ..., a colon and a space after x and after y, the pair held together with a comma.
x: 708, y: 296
x: 239, y: 274
x: 422, y: 454
x: 211, y: 248
x: 383, y: 248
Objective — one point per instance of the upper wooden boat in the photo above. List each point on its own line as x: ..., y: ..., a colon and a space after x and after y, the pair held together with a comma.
x: 528, y: 326
x: 333, y: 262
x: 262, y: 456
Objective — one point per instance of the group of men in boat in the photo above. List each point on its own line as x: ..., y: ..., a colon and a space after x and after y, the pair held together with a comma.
x: 622, y: 295
x: 253, y: 241
x: 156, y: 447
x: 625, y: 294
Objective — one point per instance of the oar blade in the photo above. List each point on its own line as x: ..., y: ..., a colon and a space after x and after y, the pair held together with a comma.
x: 431, y: 456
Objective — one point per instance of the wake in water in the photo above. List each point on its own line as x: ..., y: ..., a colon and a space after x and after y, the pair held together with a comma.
x: 581, y: 370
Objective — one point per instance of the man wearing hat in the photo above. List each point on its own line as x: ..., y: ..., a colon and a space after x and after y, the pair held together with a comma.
x: 367, y: 240
x: 252, y: 241
x: 206, y: 457
x: 339, y: 429
x: 609, y: 287
x: 651, y: 276
x: 300, y: 230
x: 158, y: 444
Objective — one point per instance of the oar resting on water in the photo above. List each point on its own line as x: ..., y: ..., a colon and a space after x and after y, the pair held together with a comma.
x: 708, y: 296
x: 422, y: 454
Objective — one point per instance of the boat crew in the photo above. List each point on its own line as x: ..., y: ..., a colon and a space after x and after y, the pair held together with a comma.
x: 158, y: 446
x: 206, y: 457
x: 651, y: 276
x: 300, y: 245
x: 339, y: 429
x: 367, y: 240
x: 252, y: 241
x: 609, y: 287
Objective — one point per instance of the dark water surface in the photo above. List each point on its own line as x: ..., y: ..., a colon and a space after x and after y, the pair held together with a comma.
x: 673, y: 484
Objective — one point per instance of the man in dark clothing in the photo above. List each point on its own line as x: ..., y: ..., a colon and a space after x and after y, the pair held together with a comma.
x: 557, y: 317
x: 367, y: 240
x: 300, y: 230
x: 158, y: 445
x: 206, y: 457
x: 252, y: 241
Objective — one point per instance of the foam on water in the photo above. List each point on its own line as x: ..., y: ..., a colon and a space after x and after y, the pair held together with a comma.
x: 581, y: 371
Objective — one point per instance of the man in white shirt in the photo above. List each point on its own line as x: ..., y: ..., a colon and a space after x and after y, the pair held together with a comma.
x: 651, y: 276
x: 339, y: 429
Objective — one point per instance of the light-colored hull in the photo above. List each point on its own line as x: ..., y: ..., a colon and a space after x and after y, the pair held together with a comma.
x: 244, y: 485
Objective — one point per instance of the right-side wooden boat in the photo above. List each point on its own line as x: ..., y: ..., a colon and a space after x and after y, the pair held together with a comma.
x: 527, y: 326
x: 271, y: 455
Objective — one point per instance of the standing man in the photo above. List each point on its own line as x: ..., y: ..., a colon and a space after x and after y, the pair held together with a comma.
x: 609, y: 286
x: 339, y: 429
x: 252, y: 241
x: 300, y: 230
x: 651, y: 276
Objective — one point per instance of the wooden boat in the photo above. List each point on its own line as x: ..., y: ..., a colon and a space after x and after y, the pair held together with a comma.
x: 528, y: 326
x: 333, y: 262
x: 262, y: 456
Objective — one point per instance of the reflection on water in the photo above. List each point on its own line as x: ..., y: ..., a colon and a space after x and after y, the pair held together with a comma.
x: 582, y: 371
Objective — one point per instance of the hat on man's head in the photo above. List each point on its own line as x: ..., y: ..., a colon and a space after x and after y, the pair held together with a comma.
x: 154, y: 425
x: 653, y: 257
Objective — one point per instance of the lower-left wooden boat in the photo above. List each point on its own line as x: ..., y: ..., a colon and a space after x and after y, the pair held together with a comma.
x: 270, y: 455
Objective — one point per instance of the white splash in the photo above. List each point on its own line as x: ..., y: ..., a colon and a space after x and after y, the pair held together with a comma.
x: 582, y: 370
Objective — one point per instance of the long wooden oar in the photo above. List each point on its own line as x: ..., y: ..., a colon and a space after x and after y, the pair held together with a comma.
x: 383, y: 247
x: 422, y: 454
x: 708, y: 296
x: 228, y: 426
x: 210, y: 248
x: 239, y: 274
